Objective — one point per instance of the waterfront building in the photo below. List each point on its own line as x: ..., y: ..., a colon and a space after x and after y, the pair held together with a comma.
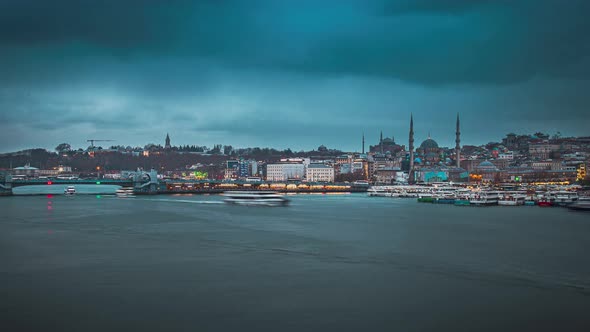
x: 285, y: 171
x: 26, y: 170
x: 386, y: 175
x: 319, y: 173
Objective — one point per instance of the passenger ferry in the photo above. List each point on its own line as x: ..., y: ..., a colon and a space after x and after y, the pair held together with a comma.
x: 512, y: 199
x: 484, y: 198
x: 125, y: 192
x: 261, y: 198
x: 563, y: 198
x: 382, y: 191
x: 70, y: 191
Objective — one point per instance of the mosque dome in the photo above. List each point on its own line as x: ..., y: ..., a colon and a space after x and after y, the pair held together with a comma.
x: 429, y: 144
x: 486, y: 165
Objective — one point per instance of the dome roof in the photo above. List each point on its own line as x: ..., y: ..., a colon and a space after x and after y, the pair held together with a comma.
x: 486, y: 164
x: 429, y: 144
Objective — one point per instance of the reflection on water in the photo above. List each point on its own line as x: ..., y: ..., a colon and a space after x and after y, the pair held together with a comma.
x: 56, y: 189
x: 326, y: 262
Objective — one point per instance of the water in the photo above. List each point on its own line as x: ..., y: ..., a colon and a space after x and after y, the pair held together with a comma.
x: 327, y: 262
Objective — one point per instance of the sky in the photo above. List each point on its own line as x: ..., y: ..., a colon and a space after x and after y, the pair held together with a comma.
x: 290, y: 74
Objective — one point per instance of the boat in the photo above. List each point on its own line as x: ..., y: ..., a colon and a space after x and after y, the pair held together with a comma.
x: 563, y: 198
x: 545, y: 203
x: 125, y: 192
x: 530, y: 203
x: 462, y: 202
x: 261, y: 198
x: 444, y: 200
x: 583, y: 205
x: 484, y: 198
x: 512, y: 199
x: 70, y: 191
x: 426, y: 199
x: 381, y: 191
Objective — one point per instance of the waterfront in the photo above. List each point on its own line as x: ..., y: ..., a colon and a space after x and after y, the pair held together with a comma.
x: 327, y: 262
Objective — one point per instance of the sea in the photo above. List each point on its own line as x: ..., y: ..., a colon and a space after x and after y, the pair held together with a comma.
x: 326, y: 262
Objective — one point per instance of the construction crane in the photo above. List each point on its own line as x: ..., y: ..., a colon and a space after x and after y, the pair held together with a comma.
x: 98, y: 140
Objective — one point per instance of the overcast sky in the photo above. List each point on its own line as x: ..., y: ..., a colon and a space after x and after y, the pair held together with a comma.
x: 290, y: 73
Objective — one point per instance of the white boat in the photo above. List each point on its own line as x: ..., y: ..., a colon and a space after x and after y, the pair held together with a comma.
x: 381, y: 191
x: 512, y: 199
x: 70, y: 191
x: 262, y: 198
x: 125, y: 192
x: 484, y: 198
x: 563, y: 197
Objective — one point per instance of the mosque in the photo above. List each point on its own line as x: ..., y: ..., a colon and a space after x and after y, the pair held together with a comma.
x: 429, y: 157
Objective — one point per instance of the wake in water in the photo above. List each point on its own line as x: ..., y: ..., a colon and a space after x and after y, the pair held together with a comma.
x: 179, y: 201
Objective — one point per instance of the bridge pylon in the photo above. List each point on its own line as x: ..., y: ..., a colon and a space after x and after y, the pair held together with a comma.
x: 145, y: 182
x: 5, y: 184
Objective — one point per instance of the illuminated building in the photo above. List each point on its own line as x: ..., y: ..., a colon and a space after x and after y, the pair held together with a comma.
x: 319, y: 173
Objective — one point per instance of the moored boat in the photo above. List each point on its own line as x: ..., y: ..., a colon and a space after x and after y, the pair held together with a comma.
x: 512, y: 200
x: 484, y: 198
x: 262, y: 198
x: 564, y: 198
x: 580, y: 206
x: 545, y: 203
x: 427, y: 199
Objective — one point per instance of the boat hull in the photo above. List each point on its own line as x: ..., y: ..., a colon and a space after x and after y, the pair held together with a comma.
x: 510, y: 203
x: 250, y: 202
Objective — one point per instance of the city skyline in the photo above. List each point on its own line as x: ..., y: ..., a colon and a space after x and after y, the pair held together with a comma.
x: 297, y: 75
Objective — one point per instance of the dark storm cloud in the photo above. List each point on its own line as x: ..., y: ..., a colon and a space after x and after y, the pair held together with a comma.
x: 422, y: 41
x: 296, y: 71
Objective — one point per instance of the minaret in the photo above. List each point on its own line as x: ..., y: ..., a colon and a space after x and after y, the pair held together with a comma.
x: 458, y: 146
x: 411, y: 148
x: 363, y: 143
x: 167, y: 146
x: 381, y: 141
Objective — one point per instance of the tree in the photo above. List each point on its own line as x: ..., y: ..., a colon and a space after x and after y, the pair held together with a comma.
x: 227, y: 149
x: 63, y: 147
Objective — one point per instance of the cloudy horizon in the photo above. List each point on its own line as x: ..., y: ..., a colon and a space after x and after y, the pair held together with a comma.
x: 289, y: 74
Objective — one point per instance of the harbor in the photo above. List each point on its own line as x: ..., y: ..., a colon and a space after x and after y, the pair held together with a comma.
x: 576, y: 197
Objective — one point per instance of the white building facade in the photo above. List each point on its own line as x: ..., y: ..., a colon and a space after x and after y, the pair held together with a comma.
x: 283, y: 172
x: 319, y: 173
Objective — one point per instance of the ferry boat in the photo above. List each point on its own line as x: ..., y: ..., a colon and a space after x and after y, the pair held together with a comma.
x: 583, y: 205
x: 484, y: 198
x: 261, y: 198
x: 562, y: 198
x: 512, y: 199
x: 381, y: 191
x: 70, y: 191
x: 544, y: 203
x: 125, y: 192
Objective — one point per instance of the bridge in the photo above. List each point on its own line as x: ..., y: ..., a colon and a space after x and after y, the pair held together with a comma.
x: 148, y: 183
x: 142, y: 182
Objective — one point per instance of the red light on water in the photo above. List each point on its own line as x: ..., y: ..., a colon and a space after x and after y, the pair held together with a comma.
x: 49, y: 183
x: 49, y: 196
